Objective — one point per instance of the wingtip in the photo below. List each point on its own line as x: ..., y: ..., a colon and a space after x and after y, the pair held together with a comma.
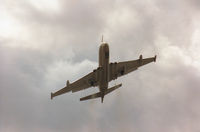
x: 155, y: 58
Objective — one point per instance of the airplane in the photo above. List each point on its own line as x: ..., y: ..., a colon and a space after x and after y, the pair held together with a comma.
x: 105, y: 73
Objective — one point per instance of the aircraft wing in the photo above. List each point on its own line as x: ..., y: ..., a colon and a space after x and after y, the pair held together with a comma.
x: 90, y: 80
x: 85, y: 82
x: 122, y: 68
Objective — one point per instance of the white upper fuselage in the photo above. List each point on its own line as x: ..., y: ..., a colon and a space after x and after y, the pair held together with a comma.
x: 104, y: 64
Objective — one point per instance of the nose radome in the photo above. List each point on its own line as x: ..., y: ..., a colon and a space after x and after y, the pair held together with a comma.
x: 104, y: 43
x: 106, y: 46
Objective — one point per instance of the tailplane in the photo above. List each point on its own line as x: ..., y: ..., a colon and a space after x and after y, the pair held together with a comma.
x: 99, y: 94
x: 112, y: 89
x: 93, y: 96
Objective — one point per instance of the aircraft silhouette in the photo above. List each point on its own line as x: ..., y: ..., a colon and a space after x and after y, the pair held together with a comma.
x: 105, y: 73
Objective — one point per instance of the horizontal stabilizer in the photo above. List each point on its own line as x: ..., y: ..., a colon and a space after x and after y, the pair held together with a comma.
x: 112, y: 88
x: 93, y: 96
x: 97, y: 95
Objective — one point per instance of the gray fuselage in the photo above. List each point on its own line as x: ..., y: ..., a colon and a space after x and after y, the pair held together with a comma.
x: 104, y: 64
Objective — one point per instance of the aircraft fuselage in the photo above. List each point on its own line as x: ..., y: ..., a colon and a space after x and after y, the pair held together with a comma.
x: 104, y: 64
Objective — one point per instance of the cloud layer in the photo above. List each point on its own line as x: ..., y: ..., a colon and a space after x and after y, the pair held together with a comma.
x: 44, y: 43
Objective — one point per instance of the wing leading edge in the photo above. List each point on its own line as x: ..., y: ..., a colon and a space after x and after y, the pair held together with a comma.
x: 90, y: 80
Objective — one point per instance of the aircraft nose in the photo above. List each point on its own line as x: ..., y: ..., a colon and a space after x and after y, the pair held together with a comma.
x: 106, y: 47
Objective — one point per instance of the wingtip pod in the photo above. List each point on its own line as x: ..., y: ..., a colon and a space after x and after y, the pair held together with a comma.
x: 67, y: 83
x: 155, y: 58
x: 140, y: 57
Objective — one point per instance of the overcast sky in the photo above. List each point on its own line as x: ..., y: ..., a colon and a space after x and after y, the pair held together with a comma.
x: 43, y: 43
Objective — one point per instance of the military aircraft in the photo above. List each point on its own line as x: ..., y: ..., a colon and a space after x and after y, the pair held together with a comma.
x: 105, y: 73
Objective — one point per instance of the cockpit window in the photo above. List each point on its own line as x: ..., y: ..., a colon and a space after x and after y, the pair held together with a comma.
x: 107, y: 55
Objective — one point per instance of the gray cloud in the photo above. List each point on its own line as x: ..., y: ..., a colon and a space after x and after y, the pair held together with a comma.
x: 47, y: 46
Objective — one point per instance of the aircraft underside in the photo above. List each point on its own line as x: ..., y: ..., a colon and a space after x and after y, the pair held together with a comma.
x: 105, y: 73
